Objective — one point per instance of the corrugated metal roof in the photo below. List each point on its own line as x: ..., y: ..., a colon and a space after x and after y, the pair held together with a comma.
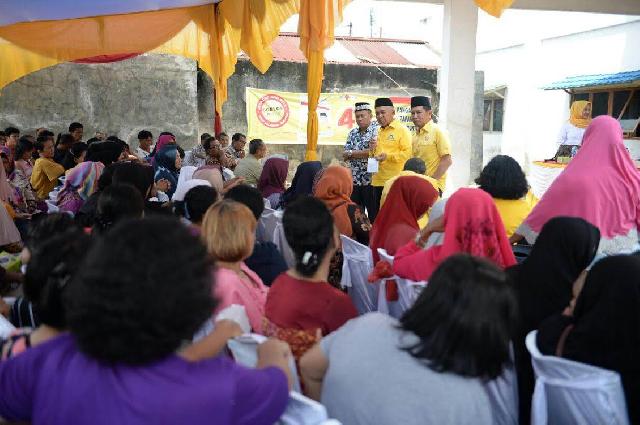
x: 627, y: 77
x: 362, y: 51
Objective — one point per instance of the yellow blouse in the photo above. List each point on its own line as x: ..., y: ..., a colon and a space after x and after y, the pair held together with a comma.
x: 514, y: 211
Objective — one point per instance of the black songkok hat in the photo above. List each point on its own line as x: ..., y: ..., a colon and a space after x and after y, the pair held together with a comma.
x: 421, y: 101
x: 383, y: 101
x: 363, y: 106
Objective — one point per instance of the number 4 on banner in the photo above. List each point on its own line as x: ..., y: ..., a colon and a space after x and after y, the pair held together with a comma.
x: 346, y: 118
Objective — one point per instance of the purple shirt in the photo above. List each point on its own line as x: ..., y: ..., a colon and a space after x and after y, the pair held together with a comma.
x: 54, y: 383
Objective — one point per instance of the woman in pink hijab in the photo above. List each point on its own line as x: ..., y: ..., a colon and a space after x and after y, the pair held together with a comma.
x: 601, y: 185
x: 163, y: 141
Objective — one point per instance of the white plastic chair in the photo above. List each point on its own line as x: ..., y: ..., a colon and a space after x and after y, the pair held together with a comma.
x: 302, y: 410
x: 357, y: 265
x: 266, y: 225
x: 6, y: 328
x: 280, y: 240
x: 568, y: 392
x: 408, y: 292
x: 503, y: 395
x: 385, y: 256
x: 245, y: 352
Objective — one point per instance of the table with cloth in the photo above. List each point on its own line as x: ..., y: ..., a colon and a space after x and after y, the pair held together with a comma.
x: 543, y: 173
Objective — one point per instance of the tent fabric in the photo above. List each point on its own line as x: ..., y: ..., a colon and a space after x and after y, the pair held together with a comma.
x: 318, y: 19
x: 212, y: 37
x: 494, y: 7
x: 16, y: 11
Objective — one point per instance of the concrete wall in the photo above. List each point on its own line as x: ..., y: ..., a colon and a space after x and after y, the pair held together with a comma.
x: 291, y: 76
x: 152, y: 92
x: 533, y: 117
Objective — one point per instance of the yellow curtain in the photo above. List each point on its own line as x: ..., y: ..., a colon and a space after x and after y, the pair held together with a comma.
x: 211, y: 36
x: 29, y: 47
x: 494, y: 7
x: 318, y: 19
x: 250, y: 26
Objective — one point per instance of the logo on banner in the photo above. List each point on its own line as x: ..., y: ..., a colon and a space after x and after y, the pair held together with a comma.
x: 272, y: 111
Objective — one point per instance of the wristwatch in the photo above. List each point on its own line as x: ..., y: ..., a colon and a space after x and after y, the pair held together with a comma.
x: 350, y: 153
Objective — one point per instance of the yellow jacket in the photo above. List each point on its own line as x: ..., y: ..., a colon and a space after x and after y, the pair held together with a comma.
x: 395, y: 141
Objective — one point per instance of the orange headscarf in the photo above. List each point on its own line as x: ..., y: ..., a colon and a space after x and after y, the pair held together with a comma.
x: 575, y: 118
x: 334, y: 189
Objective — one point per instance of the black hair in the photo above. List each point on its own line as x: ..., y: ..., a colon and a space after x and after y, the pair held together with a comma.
x: 93, y: 140
x: 237, y: 137
x: 254, y: 145
x: 24, y: 145
x: 197, y: 201
x: 204, y: 136
x: 11, y: 130
x: 44, y: 226
x: 138, y: 175
x: 180, y: 151
x: 121, y: 143
x: 206, y: 143
x: 130, y: 303
x: 416, y: 165
x: 78, y: 148
x: 118, y: 202
x: 47, y: 133
x: 464, y: 319
x: 40, y: 142
x: 249, y: 196
x: 74, y: 126
x: 222, y: 134
x: 503, y: 178
x: 308, y: 228
x: 106, y: 152
x: 144, y: 134
x: 64, y: 139
x: 53, y: 264
x: 73, y: 154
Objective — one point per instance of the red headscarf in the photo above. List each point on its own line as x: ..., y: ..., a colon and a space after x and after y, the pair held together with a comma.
x: 472, y: 225
x: 334, y: 189
x: 274, y: 174
x: 397, y: 222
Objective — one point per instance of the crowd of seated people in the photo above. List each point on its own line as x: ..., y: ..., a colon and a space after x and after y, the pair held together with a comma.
x: 117, y: 269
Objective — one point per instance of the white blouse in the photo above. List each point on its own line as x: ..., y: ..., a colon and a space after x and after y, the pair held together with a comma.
x: 570, y: 135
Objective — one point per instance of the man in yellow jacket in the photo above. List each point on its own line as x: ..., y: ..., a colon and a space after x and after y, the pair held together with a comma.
x: 392, y: 149
x: 430, y: 142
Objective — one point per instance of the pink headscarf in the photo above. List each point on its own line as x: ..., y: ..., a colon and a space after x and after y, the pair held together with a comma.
x: 472, y: 225
x: 601, y: 185
x: 163, y: 141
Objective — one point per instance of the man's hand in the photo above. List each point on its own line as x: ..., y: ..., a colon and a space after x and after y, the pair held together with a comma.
x: 381, y: 157
x: 373, y: 144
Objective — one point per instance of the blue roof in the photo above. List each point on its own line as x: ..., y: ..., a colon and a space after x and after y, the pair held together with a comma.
x: 595, y: 80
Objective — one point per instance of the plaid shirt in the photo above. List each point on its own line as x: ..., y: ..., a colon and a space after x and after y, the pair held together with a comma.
x: 357, y: 141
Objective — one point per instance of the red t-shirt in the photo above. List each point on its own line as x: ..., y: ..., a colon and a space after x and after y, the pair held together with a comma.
x: 305, y: 305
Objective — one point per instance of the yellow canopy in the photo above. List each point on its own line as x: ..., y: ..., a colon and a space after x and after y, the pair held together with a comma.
x: 494, y: 7
x: 212, y: 35
x: 318, y: 18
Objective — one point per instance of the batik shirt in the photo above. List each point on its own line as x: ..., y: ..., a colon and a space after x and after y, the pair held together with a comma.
x: 357, y: 141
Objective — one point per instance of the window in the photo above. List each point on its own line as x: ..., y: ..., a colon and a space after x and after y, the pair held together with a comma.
x: 600, y: 104
x: 493, y: 113
x: 621, y: 103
